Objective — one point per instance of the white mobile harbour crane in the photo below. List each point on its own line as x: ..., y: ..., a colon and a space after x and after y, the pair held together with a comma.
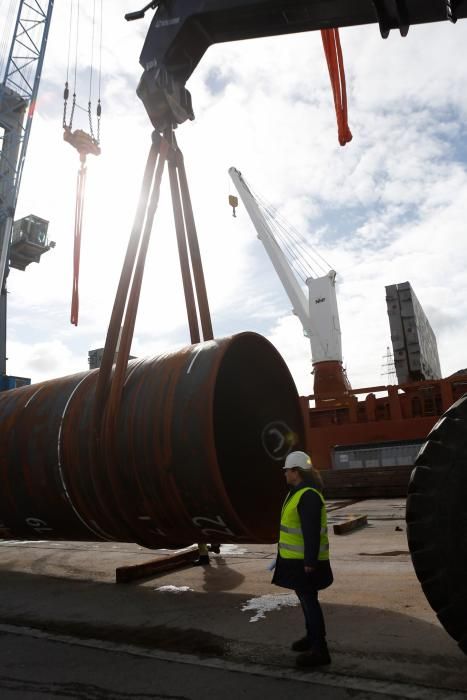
x: 318, y: 314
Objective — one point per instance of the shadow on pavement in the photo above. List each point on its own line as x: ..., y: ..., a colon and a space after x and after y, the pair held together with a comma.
x: 364, y: 641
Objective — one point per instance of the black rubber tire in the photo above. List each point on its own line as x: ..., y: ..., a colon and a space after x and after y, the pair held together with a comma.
x: 436, y: 516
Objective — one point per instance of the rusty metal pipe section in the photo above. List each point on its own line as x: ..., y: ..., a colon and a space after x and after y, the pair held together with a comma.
x: 201, y: 435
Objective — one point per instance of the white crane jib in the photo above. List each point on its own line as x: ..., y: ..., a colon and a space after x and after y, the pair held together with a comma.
x: 318, y: 315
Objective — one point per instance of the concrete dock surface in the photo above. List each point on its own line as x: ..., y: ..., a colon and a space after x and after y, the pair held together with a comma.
x: 384, y: 638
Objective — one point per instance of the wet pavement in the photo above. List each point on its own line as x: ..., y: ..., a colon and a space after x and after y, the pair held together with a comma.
x: 382, y: 633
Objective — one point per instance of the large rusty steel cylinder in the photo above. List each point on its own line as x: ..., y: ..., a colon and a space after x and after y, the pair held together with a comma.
x: 197, y: 454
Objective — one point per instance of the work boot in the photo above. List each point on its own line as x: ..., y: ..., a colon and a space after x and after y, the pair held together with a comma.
x: 302, y: 644
x: 216, y: 548
x: 203, y: 560
x: 318, y: 656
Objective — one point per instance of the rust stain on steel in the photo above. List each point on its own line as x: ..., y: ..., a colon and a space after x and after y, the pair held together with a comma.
x: 197, y: 453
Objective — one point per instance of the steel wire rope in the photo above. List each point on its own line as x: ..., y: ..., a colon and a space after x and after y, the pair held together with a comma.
x: 294, y: 260
x: 299, y: 252
x: 70, y: 27
x: 299, y: 236
x: 100, y: 49
x: 315, y: 266
x: 6, y: 37
x: 92, y: 50
x: 66, y: 91
x: 267, y: 210
x: 308, y: 250
x: 291, y: 244
x: 76, y: 52
x: 295, y: 235
x: 75, y: 104
x: 99, y: 108
x: 76, y: 44
x: 91, y: 70
x: 83, y: 142
x: 300, y: 241
x: 290, y: 254
x: 75, y: 70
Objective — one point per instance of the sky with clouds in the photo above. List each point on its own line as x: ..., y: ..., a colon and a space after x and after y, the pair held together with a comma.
x: 389, y: 207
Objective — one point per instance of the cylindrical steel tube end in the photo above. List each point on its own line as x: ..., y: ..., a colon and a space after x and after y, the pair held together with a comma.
x: 197, y: 454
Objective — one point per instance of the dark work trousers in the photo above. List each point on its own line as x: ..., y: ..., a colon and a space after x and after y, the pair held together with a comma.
x: 314, y: 620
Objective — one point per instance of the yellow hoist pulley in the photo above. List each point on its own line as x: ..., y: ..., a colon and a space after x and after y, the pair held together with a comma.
x: 233, y: 201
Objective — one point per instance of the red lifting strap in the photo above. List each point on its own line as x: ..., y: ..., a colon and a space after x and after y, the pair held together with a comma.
x: 85, y: 145
x: 333, y: 52
x: 77, y: 242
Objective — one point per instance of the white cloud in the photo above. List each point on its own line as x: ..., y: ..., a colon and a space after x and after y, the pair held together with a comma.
x: 44, y: 360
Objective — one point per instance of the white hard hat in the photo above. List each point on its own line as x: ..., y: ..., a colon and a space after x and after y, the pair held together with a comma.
x: 297, y: 459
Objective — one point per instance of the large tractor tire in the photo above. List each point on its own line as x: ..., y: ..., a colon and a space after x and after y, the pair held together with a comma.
x: 436, y: 518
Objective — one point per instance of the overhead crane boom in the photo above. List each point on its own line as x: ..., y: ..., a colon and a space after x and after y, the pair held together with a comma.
x: 182, y: 30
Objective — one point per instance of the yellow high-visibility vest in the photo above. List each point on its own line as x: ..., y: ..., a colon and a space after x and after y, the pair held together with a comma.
x: 291, y: 542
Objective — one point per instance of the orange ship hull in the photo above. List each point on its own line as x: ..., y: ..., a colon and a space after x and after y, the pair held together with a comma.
x: 388, y: 415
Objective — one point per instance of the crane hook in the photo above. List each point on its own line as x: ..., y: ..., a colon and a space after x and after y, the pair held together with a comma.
x: 233, y: 201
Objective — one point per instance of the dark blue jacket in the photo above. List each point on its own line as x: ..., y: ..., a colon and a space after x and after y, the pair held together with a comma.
x: 290, y: 573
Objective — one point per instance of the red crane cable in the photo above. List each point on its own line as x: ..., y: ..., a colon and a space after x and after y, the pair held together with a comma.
x: 80, y: 187
x: 335, y: 61
x: 84, y: 144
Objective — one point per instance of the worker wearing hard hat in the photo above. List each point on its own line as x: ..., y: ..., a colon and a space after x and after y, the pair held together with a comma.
x: 303, y: 554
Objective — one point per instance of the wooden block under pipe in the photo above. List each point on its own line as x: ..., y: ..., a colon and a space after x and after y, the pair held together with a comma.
x: 351, y: 524
x: 154, y: 567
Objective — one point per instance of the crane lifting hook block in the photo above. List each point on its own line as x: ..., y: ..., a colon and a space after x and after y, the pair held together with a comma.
x: 233, y: 201
x: 83, y: 142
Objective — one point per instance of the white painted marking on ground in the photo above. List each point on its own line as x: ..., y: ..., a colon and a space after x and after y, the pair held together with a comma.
x: 174, y: 589
x: 20, y: 542
x: 269, y: 602
x: 173, y: 551
x: 232, y: 549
